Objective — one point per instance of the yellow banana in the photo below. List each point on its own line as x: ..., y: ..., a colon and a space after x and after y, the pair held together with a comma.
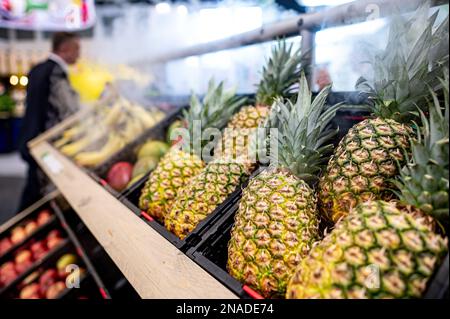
x: 77, y: 146
x: 113, y: 114
x: 114, y: 144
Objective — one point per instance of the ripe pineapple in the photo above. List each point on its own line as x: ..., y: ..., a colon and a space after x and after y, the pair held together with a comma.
x: 278, y: 76
x: 381, y: 250
x: 365, y: 160
x: 204, y: 193
x: 378, y: 251
x: 277, y: 222
x: 178, y: 166
x: 230, y: 168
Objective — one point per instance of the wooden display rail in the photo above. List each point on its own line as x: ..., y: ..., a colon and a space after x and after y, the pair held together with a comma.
x: 153, y: 266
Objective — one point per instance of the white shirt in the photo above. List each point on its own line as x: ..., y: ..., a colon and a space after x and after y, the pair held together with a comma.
x: 56, y: 58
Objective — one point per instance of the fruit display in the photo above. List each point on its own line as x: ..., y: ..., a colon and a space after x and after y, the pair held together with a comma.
x: 111, y: 124
x: 366, y: 158
x: 385, y: 237
x: 124, y: 174
x: 232, y: 162
x: 180, y: 164
x: 29, y: 254
x: 24, y: 230
x: 280, y: 73
x: 277, y: 222
x: 280, y: 241
x: 261, y: 195
x: 51, y: 282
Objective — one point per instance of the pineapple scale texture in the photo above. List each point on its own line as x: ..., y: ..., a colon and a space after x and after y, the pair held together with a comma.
x: 173, y: 172
x: 236, y: 136
x: 203, y: 194
x: 275, y: 227
x: 362, y: 165
x: 377, y: 251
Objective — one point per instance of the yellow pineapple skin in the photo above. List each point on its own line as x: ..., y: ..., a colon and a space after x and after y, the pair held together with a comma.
x: 275, y: 227
x: 249, y: 116
x: 362, y: 165
x: 376, y: 251
x: 204, y: 193
x: 241, y: 126
x: 174, y: 170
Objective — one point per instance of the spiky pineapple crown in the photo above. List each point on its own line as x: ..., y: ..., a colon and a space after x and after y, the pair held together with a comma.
x: 280, y: 73
x: 423, y: 182
x: 304, y: 134
x: 215, y: 110
x: 413, y: 58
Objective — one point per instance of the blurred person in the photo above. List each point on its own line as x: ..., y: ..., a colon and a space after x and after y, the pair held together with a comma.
x: 322, y: 77
x: 50, y: 98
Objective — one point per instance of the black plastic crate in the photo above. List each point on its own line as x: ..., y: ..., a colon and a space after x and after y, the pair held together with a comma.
x: 13, y: 290
x: 212, y: 254
x: 81, y: 251
x: 131, y: 200
x: 106, y: 275
x: 30, y: 214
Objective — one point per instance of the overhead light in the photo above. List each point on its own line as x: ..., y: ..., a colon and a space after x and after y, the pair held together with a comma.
x: 162, y: 7
x: 182, y: 10
x: 14, y: 80
x: 23, y: 80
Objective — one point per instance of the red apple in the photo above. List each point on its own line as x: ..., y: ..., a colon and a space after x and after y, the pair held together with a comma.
x: 30, y: 291
x: 53, y: 242
x: 5, y: 245
x: 48, y: 278
x: 38, y: 247
x: 18, y: 234
x: 50, y: 275
x: 54, y: 233
x: 30, y: 227
x: 7, y: 272
x: 39, y: 250
x: 43, y: 217
x: 7, y: 278
x: 23, y: 260
x: 120, y: 175
x: 54, y: 290
x: 7, y: 266
x: 23, y: 256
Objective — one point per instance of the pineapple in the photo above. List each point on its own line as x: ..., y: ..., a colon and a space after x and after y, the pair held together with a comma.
x: 215, y: 182
x: 178, y: 166
x: 381, y: 250
x: 278, y: 77
x: 365, y: 159
x: 204, y: 193
x: 277, y: 222
x: 378, y: 251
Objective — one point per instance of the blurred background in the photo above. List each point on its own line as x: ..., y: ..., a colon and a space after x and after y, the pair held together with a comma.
x: 125, y: 41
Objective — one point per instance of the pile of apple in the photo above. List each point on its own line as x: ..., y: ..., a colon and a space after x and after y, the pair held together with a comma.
x: 26, y: 256
x: 50, y: 283
x: 124, y: 174
x: 20, y: 233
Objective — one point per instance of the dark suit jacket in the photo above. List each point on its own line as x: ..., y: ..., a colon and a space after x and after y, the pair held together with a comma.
x: 49, y: 100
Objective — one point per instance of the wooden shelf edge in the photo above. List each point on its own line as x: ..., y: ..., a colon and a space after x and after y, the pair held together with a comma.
x: 153, y: 266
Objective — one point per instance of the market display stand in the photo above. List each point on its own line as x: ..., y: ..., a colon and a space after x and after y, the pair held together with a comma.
x: 153, y: 266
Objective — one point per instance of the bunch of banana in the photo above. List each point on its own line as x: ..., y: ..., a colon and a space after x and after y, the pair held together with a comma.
x: 86, y: 140
x: 115, y: 142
